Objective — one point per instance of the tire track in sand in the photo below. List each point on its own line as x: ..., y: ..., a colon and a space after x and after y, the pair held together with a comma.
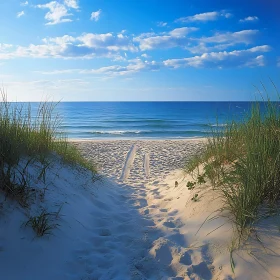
x: 128, y: 162
x: 147, y: 165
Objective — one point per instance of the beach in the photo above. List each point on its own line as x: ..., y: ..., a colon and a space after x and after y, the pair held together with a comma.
x: 170, y: 235
x: 139, y: 160
x: 139, y: 140
x: 136, y: 220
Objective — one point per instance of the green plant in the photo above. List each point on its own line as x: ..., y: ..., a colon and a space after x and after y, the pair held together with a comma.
x: 15, y: 184
x: 195, y: 197
x: 70, y: 154
x: 200, y: 179
x: 190, y: 185
x: 27, y: 136
x: 41, y: 224
x: 242, y: 162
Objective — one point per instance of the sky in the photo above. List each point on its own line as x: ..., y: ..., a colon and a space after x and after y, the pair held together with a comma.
x: 144, y: 50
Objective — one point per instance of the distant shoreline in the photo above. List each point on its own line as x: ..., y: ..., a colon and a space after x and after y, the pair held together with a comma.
x: 138, y: 139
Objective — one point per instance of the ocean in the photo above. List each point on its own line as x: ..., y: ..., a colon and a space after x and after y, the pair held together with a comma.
x: 147, y: 120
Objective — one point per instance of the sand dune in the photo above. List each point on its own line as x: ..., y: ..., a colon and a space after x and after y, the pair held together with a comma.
x: 133, y: 223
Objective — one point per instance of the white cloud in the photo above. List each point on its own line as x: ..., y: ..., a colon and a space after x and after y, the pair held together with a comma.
x: 264, y: 48
x: 236, y: 58
x: 182, y: 32
x: 175, y: 38
x: 250, y: 18
x: 209, y: 16
x: 243, y: 36
x: 87, y: 45
x: 107, y: 41
x: 5, y: 46
x: 58, y: 72
x: 58, y: 12
x: 202, y: 47
x: 278, y: 62
x: 20, y: 14
x: 178, y: 38
x: 72, y: 4
x: 221, y: 41
x: 95, y: 15
x: 161, y: 24
x: 24, y: 3
x: 59, y: 40
x: 258, y: 61
x: 144, y: 55
x: 134, y: 66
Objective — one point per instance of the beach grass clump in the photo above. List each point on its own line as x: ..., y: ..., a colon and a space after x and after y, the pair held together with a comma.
x: 71, y: 155
x: 41, y: 223
x: 28, y: 137
x: 242, y: 163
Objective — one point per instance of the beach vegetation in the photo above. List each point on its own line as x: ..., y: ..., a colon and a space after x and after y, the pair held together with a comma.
x: 190, y: 185
x: 242, y: 163
x: 27, y: 138
x: 41, y: 223
x: 195, y: 197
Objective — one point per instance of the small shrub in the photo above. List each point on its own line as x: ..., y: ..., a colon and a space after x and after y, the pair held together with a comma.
x: 200, y: 179
x: 195, y: 197
x: 190, y: 185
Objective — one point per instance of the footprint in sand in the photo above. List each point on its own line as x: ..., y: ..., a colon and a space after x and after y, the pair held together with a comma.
x: 161, y: 251
x: 145, y: 212
x: 201, y: 270
x: 179, y: 239
x: 185, y: 259
x: 173, y: 224
x: 169, y: 224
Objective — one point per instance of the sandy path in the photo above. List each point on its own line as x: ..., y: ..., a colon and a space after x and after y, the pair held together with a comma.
x: 154, y: 242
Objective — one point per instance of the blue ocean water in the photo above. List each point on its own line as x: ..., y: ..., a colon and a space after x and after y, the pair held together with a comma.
x: 146, y: 120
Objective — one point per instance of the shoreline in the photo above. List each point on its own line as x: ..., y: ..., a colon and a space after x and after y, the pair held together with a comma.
x: 137, y: 139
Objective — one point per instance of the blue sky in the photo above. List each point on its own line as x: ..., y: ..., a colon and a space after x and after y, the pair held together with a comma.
x: 126, y: 50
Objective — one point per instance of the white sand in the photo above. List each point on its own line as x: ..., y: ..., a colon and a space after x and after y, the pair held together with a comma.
x: 180, y: 246
x: 133, y: 160
x: 134, y: 224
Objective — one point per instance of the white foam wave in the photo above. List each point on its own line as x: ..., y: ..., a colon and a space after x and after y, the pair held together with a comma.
x: 118, y: 132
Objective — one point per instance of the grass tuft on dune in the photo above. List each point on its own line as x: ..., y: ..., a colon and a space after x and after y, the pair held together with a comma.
x: 29, y: 138
x: 242, y: 163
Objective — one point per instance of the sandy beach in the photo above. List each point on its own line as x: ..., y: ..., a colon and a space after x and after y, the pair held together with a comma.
x: 175, y: 237
x: 139, y: 160
x: 137, y: 221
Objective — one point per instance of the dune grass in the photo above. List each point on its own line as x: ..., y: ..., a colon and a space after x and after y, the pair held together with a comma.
x: 243, y: 164
x: 33, y: 138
